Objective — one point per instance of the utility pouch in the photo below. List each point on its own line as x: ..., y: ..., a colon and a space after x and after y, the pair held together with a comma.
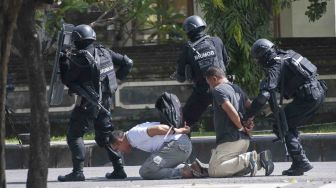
x: 323, y: 85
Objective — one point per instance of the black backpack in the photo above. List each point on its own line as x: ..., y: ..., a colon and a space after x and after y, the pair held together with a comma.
x: 299, y: 65
x: 169, y: 107
x: 296, y: 71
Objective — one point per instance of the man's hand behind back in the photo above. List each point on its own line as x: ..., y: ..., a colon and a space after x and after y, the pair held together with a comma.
x: 248, y: 125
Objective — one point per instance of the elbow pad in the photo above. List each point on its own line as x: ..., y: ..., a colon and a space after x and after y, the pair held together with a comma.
x: 125, y: 69
x: 128, y: 62
x: 258, y: 103
x: 263, y: 97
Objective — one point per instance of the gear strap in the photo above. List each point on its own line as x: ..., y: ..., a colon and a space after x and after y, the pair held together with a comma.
x: 193, y: 44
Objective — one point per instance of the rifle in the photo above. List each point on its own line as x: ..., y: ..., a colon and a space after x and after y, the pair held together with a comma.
x: 90, y: 95
x: 281, y: 121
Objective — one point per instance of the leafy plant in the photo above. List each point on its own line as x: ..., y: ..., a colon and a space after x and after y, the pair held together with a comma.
x: 316, y: 9
x: 162, y: 19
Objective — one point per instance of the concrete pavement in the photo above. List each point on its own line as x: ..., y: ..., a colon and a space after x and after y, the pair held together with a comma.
x: 323, y: 176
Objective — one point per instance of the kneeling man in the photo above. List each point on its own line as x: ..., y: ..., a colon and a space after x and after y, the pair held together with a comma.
x: 169, y: 148
x: 230, y: 158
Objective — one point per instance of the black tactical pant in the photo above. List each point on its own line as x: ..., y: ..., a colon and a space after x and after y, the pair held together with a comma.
x: 304, y: 105
x: 82, y: 120
x: 196, y: 104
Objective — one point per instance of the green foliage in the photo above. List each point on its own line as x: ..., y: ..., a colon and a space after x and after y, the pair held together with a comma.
x: 49, y: 19
x: 316, y: 9
x: 157, y: 18
x: 160, y: 19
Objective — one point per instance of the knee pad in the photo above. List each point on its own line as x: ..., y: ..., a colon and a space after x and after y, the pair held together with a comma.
x: 102, y: 139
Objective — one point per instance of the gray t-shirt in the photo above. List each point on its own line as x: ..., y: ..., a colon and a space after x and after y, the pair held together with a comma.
x: 225, y: 129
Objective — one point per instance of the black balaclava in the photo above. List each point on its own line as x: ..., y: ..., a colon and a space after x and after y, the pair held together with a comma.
x: 196, y: 34
x: 85, y: 45
x: 267, y: 60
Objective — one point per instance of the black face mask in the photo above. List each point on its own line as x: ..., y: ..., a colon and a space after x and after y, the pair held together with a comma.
x: 84, y: 44
x: 266, y: 60
x: 195, y: 35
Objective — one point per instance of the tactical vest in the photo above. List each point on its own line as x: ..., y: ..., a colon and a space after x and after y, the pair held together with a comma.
x: 296, y: 71
x: 106, y: 68
x: 203, y: 56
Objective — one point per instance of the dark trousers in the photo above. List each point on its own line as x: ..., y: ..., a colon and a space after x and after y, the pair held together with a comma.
x: 81, y: 121
x: 196, y: 104
x: 298, y: 111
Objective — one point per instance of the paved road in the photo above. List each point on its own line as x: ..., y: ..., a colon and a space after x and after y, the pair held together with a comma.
x: 322, y: 176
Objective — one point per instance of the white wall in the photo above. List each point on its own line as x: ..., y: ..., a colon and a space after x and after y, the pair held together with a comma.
x: 294, y: 22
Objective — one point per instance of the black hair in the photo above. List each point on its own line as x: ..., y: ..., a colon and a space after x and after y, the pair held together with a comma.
x: 115, y: 135
x: 215, y: 71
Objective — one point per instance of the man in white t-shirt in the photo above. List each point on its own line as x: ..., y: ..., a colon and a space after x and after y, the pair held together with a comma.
x: 169, y: 148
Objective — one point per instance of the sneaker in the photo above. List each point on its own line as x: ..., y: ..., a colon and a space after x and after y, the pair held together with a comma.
x: 200, y: 169
x: 266, y: 162
x: 73, y: 176
x: 253, y: 167
x: 116, y: 174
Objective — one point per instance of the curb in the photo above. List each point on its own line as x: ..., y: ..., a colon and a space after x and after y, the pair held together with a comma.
x: 318, y: 147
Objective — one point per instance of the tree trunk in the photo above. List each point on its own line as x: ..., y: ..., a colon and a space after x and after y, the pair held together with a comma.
x: 9, y: 10
x: 30, y: 49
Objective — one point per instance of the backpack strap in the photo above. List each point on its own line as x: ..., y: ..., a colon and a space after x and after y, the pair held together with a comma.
x: 193, y: 44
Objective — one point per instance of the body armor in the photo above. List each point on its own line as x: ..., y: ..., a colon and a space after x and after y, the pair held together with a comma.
x: 106, y: 68
x: 204, y: 55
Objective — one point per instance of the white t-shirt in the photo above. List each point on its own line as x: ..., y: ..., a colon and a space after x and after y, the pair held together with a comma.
x: 139, y: 138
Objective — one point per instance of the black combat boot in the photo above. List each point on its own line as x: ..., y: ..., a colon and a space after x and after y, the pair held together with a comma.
x: 118, y: 172
x: 73, y: 176
x: 300, y: 165
x: 76, y: 174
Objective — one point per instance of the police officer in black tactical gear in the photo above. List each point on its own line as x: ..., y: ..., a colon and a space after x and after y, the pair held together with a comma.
x: 91, y: 67
x: 294, y: 77
x: 198, y: 54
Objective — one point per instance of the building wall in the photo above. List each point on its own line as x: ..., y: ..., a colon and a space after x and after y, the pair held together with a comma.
x: 294, y: 22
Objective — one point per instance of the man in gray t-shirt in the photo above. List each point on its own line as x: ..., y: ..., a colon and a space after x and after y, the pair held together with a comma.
x: 230, y: 158
x: 226, y: 130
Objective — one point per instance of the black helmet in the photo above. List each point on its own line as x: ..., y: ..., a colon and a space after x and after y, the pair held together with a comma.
x: 260, y: 48
x: 83, y: 32
x: 193, y: 23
